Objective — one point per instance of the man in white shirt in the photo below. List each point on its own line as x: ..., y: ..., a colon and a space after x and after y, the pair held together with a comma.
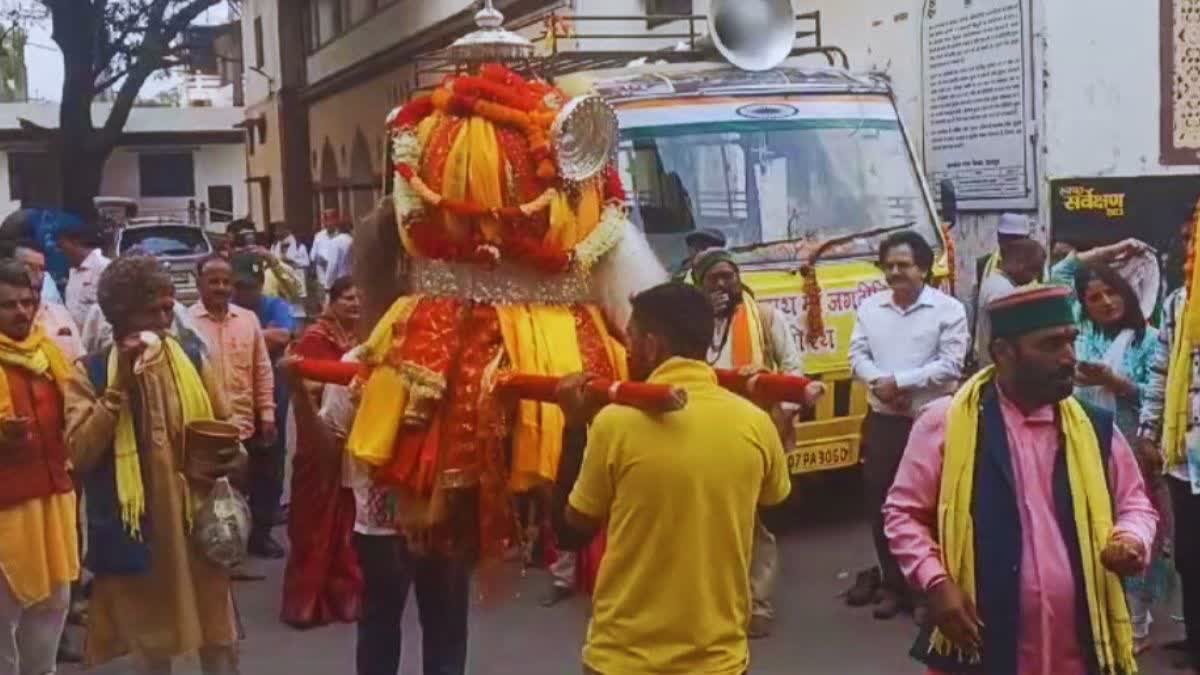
x: 331, y: 250
x: 294, y: 254
x: 80, y: 246
x: 1021, y: 263
x: 908, y: 346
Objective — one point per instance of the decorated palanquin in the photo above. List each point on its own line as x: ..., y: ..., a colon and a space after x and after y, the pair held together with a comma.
x: 504, y: 215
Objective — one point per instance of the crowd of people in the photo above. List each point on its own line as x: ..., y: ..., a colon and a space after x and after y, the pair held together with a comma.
x: 1030, y: 478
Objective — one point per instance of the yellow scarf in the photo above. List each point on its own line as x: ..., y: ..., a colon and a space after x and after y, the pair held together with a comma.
x: 1179, y: 367
x: 195, y: 404
x: 38, y: 354
x: 1107, y: 612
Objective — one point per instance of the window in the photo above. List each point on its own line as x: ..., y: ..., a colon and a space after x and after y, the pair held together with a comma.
x: 166, y: 240
x: 168, y: 174
x: 220, y: 203
x: 666, y: 7
x: 771, y: 182
x: 259, y: 59
x: 32, y: 178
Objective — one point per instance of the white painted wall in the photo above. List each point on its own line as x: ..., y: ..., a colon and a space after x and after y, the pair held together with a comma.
x: 257, y: 87
x: 216, y: 164
x: 1102, y: 94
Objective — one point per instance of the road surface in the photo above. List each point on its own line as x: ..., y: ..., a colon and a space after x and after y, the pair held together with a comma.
x: 822, y: 539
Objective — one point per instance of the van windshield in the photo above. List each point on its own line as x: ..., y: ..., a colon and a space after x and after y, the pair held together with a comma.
x: 795, y: 182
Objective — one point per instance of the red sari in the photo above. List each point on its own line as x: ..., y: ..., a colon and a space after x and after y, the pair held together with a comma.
x: 323, y: 582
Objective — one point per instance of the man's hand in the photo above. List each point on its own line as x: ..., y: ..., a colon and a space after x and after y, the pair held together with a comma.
x: 1123, y: 555
x: 814, y: 392
x: 1149, y: 456
x: 267, y: 432
x: 1118, y: 251
x: 578, y: 403
x: 785, y: 422
x: 720, y: 302
x: 886, y: 389
x: 954, y: 614
x: 129, y: 348
x: 1089, y: 374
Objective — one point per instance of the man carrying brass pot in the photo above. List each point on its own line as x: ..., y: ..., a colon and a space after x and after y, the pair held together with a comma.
x: 39, y: 556
x: 156, y: 595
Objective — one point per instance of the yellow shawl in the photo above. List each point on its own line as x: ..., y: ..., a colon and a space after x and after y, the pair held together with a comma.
x: 1179, y: 367
x: 1107, y: 612
x: 195, y: 404
x: 38, y: 354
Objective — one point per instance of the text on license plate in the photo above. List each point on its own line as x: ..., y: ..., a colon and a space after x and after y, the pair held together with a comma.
x: 822, y: 457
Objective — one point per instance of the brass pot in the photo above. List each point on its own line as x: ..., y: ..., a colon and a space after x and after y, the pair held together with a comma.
x: 212, y: 450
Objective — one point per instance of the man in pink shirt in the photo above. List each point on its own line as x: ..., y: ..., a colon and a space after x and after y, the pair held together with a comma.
x: 244, y: 365
x: 1029, y: 607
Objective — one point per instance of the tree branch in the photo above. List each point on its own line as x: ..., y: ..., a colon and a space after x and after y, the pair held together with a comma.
x: 185, y: 16
x: 104, y: 84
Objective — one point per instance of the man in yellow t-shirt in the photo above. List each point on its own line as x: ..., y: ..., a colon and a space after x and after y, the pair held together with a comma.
x: 679, y: 493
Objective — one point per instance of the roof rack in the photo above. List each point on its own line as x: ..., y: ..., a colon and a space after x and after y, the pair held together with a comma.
x: 556, y: 32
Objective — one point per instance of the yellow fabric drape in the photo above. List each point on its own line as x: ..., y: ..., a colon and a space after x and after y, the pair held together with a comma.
x: 569, y: 224
x: 562, y: 222
x: 37, y: 538
x: 1179, y: 382
x: 1107, y: 611
x: 38, y: 547
x: 454, y: 181
x: 540, y: 340
x: 385, y: 393
x: 484, y: 172
x: 193, y: 402
x: 38, y: 354
x: 1176, y: 411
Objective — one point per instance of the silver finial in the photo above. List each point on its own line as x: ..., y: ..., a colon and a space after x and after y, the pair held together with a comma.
x: 491, y: 41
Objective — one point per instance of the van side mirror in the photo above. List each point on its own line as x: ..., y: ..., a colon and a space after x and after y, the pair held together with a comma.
x: 949, y: 210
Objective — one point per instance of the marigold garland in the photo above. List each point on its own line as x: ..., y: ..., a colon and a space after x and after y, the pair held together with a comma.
x: 814, y: 321
x: 523, y: 112
x: 470, y: 209
x: 951, y: 265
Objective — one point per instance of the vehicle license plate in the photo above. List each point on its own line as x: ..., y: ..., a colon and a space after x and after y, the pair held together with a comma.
x: 822, y: 457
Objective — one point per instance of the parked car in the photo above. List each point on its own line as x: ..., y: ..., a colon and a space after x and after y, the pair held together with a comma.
x: 178, y: 245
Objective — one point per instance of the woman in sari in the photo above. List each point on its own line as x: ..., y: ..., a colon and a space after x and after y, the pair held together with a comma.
x: 1113, y: 351
x: 322, y: 582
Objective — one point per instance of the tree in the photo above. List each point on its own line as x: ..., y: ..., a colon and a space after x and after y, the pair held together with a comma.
x: 108, y: 45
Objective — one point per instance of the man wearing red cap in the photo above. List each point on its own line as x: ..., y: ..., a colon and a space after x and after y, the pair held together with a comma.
x: 1017, y: 509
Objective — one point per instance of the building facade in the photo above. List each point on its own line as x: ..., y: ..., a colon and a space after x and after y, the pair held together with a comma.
x: 322, y: 75
x: 167, y: 159
x: 1100, y: 103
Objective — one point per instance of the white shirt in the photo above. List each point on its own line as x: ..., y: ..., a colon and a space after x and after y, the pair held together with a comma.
x: 61, y: 328
x: 82, y: 285
x: 994, y: 287
x: 923, y: 347
x: 372, y: 512
x: 331, y: 256
x: 296, y: 255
